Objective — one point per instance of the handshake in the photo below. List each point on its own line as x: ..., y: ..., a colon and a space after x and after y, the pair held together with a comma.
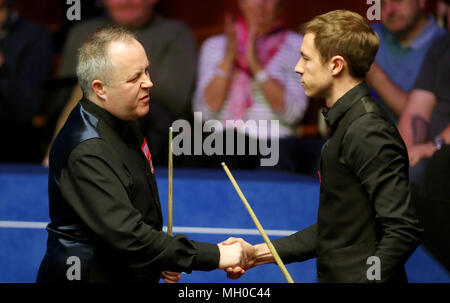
x: 237, y: 256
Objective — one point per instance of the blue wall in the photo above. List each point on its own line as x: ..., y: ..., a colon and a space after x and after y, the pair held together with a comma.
x: 202, y: 198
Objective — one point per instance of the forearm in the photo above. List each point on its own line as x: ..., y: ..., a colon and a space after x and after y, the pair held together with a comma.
x: 445, y: 134
x: 299, y: 246
x: 406, y: 130
x: 414, y: 121
x: 395, y: 97
x: 401, y: 232
x: 262, y: 255
x: 274, y: 94
x: 400, y: 239
x: 216, y: 91
x: 272, y: 90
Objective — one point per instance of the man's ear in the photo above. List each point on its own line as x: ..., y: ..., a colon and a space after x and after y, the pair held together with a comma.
x: 337, y: 65
x: 99, y: 88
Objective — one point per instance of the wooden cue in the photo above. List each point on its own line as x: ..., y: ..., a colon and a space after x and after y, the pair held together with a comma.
x: 170, y: 176
x: 258, y: 225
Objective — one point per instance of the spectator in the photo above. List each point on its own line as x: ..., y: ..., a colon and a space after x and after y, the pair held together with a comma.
x: 25, y: 58
x: 443, y: 13
x: 247, y: 73
x: 406, y: 33
x: 425, y: 124
x: 173, y: 57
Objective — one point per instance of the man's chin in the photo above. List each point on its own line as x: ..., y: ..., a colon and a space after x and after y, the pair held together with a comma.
x: 398, y: 28
x: 144, y: 111
x: 310, y: 94
x: 132, y: 23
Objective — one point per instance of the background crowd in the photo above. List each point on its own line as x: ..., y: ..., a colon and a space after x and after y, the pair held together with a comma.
x: 234, y: 60
x: 239, y: 67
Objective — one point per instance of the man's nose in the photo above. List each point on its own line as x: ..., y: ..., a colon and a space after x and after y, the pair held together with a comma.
x: 147, y: 83
x: 299, y: 68
x: 388, y: 8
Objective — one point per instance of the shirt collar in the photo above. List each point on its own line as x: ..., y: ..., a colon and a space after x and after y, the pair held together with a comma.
x: 422, y: 39
x: 426, y: 35
x: 343, y: 104
x: 118, y: 125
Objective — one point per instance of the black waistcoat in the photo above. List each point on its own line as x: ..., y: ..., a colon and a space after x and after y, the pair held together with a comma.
x: 347, y: 230
x: 68, y: 235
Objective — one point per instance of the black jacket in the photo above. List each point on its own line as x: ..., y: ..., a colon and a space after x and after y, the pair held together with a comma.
x: 105, y: 209
x: 365, y: 206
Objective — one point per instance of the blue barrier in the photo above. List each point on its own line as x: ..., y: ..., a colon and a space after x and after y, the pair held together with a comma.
x: 206, y: 208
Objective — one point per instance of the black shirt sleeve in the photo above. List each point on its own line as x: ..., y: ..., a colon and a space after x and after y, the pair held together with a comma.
x: 374, y: 151
x: 299, y: 246
x: 434, y: 74
x: 425, y: 79
x: 94, y: 188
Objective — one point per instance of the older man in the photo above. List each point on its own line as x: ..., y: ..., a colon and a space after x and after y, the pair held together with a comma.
x: 406, y: 33
x: 104, y: 205
x: 171, y: 48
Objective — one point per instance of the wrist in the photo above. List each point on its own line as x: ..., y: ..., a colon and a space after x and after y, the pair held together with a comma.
x: 261, y: 76
x: 438, y: 142
x: 221, y: 256
x: 263, y: 254
x: 428, y: 149
x: 227, y: 62
x: 255, y: 66
x: 221, y: 73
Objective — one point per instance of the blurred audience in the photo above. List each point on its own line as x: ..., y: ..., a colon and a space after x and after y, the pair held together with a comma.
x: 171, y: 49
x: 25, y: 61
x: 425, y: 123
x: 406, y: 33
x: 443, y: 13
x: 247, y: 73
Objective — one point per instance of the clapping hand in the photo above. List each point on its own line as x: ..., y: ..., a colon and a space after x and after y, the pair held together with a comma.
x: 230, y: 33
x: 251, y: 53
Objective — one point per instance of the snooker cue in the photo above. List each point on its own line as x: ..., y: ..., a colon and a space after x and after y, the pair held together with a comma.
x: 170, y: 176
x: 258, y: 225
